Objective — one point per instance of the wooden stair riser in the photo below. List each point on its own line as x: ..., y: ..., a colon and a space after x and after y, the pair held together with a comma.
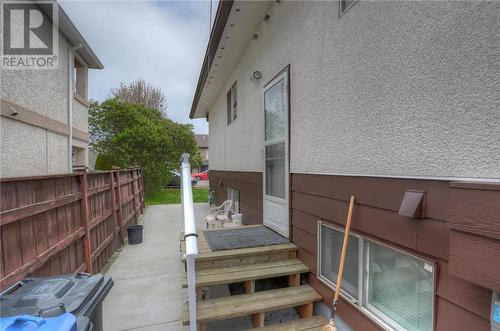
x: 243, y: 260
x: 235, y: 274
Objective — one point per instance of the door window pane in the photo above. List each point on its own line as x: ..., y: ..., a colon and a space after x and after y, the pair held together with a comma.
x: 275, y: 170
x: 400, y: 288
x: 331, y: 248
x: 234, y: 196
x: 274, y: 110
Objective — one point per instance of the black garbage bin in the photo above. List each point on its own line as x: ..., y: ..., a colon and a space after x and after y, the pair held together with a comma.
x: 134, y: 232
x: 80, y: 294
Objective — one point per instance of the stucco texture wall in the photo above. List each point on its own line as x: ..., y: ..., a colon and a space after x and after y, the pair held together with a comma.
x: 41, y: 91
x: 389, y: 88
x: 80, y: 116
x: 27, y: 150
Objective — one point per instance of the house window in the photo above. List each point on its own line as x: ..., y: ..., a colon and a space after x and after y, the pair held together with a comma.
x: 331, y: 246
x: 78, y: 157
x: 234, y: 196
x: 393, y: 287
x: 232, y: 103
x: 345, y: 5
x: 80, y: 80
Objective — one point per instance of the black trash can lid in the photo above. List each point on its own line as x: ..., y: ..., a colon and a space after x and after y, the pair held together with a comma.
x: 50, y: 296
x: 134, y: 227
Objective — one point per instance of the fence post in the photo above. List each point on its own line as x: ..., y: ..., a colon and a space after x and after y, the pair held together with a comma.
x: 113, y: 204
x: 120, y: 214
x: 87, y: 248
x: 136, y: 216
x: 141, y: 190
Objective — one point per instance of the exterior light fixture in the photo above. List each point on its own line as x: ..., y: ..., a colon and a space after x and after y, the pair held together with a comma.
x: 256, y: 75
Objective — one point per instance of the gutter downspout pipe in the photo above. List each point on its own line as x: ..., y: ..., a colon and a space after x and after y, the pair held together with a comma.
x: 71, y: 68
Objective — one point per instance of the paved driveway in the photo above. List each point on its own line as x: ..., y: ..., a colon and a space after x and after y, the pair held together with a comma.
x: 203, y: 183
x: 147, y: 294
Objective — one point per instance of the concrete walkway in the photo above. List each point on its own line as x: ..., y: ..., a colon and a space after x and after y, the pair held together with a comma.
x: 147, y: 294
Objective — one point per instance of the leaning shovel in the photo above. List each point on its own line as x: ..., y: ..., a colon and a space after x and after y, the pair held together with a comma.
x: 331, y: 324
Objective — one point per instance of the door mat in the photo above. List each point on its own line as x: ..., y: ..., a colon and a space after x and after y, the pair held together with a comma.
x: 220, y: 240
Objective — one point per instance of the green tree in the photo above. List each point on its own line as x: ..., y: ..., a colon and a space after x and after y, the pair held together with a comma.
x: 127, y: 135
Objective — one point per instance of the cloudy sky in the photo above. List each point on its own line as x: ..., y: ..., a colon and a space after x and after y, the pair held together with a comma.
x: 162, y: 42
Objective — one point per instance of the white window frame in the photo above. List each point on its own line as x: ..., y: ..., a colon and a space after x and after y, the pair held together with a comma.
x: 361, y: 303
x: 231, y: 197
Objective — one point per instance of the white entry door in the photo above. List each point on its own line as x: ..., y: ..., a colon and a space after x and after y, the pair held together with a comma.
x: 275, y: 198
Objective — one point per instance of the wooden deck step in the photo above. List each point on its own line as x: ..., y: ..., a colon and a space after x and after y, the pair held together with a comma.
x: 234, y: 274
x: 315, y: 323
x: 252, y: 255
x: 248, y: 304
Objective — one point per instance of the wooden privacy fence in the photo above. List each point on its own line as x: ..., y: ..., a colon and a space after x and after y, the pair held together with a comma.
x: 68, y: 223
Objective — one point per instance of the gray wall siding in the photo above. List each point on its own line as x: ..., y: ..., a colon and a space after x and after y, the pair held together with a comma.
x: 389, y: 88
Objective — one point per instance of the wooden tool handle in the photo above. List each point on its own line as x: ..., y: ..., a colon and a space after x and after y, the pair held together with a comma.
x: 344, y: 250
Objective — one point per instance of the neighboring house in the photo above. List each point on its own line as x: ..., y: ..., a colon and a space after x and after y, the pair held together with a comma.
x: 202, y: 144
x: 35, y: 107
x: 393, y: 102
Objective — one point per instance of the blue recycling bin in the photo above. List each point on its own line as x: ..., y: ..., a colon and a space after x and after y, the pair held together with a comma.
x: 80, y: 294
x: 64, y: 322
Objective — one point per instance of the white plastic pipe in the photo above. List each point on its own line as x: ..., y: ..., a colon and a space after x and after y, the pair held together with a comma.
x: 190, y: 236
x: 188, y: 208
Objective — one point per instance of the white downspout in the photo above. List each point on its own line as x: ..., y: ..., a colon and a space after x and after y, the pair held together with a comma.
x: 71, y: 68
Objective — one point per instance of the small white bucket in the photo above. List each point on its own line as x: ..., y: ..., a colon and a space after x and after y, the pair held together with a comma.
x: 237, y: 218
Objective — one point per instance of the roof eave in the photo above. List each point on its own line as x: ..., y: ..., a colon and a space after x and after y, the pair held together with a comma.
x: 223, y: 11
x: 69, y: 30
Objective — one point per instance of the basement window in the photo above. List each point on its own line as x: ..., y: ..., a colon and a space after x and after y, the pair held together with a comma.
x: 234, y: 196
x: 345, y: 5
x: 394, y: 288
x: 232, y: 103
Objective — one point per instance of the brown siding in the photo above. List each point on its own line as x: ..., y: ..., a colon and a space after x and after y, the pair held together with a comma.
x: 464, y: 255
x: 475, y: 258
x: 250, y: 186
x: 475, y: 209
x: 325, y: 198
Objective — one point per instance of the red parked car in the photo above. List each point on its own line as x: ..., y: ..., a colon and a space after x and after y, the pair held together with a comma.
x: 201, y: 175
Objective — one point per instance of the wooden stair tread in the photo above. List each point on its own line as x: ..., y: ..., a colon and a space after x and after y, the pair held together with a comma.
x: 228, y: 275
x: 247, y: 304
x: 315, y: 323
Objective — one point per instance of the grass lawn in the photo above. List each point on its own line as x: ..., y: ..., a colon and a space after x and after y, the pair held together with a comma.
x: 172, y: 195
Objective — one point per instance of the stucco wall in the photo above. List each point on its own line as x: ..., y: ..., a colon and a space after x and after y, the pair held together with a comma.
x: 30, y: 150
x: 42, y: 91
x: 389, y: 88
x: 80, y: 116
